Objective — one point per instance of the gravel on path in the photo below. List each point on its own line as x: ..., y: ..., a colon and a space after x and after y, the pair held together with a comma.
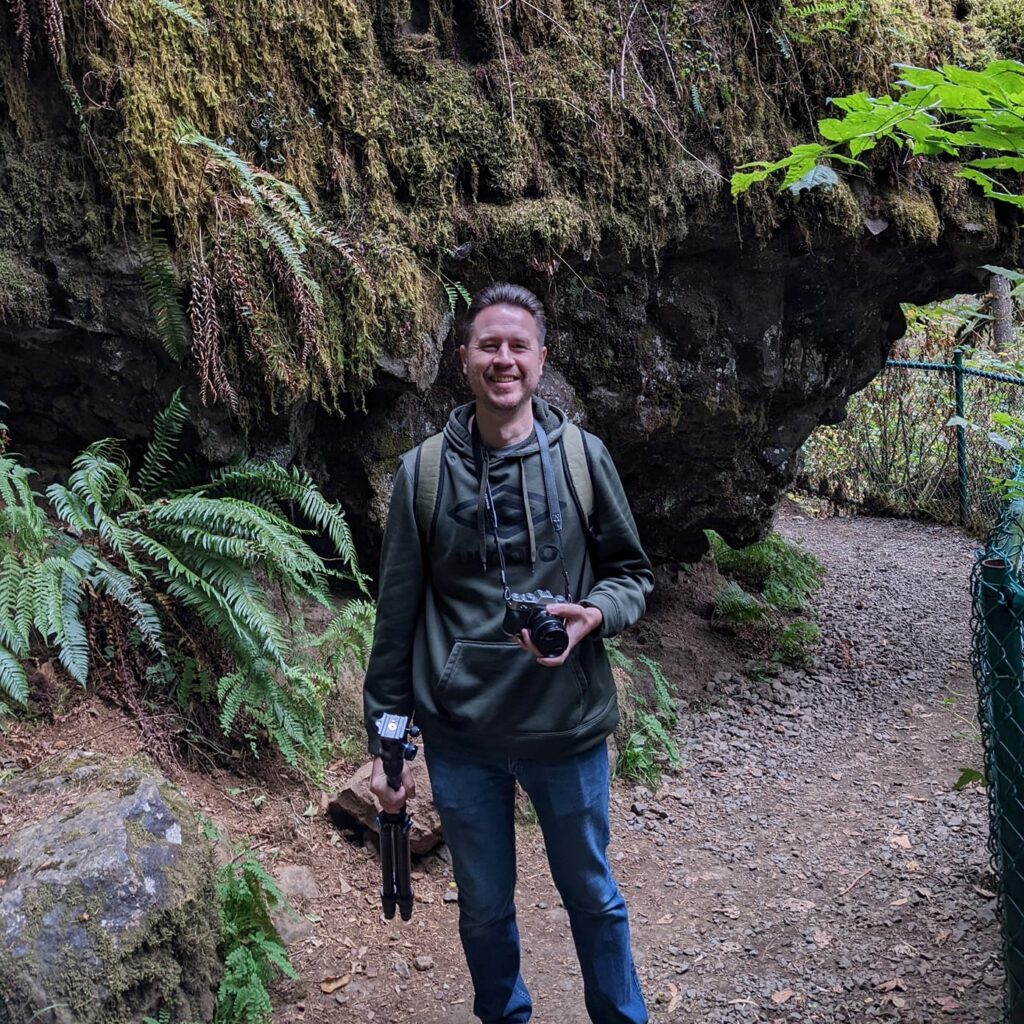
x: 810, y: 863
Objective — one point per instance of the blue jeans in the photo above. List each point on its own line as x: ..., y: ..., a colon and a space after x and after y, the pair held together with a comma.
x: 475, y: 797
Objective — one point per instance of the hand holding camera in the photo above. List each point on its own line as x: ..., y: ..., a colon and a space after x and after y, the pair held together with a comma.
x: 575, y: 621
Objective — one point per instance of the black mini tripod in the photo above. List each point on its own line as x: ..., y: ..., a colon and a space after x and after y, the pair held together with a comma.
x: 396, y: 867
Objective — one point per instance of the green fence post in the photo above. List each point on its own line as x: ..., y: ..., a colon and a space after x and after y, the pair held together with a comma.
x: 1005, y: 711
x: 961, y: 433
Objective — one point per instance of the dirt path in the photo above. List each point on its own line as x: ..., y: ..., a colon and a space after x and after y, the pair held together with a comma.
x: 811, y: 862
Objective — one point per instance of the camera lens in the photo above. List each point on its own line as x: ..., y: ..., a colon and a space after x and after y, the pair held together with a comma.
x: 548, y: 634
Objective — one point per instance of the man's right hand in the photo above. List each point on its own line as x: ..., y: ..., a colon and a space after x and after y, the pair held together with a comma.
x: 391, y: 800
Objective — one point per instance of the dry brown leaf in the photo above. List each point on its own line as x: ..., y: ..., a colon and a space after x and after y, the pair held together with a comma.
x: 665, y: 919
x: 900, y: 903
x: 987, y: 893
x: 902, y: 841
x: 782, y: 995
x: 949, y: 1005
x: 941, y: 937
x: 912, y: 865
x: 893, y: 984
x: 332, y: 984
x: 673, y: 1003
x: 821, y: 938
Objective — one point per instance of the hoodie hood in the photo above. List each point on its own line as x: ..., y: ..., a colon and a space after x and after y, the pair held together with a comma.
x: 460, y: 439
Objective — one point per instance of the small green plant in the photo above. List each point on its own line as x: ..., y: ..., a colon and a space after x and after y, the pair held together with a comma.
x: 637, y: 760
x: 784, y: 576
x: 791, y: 647
x: 250, y: 944
x: 648, y: 742
x: 735, y: 606
x: 784, y: 573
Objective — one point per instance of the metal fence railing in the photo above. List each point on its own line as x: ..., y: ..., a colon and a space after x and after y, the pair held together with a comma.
x: 998, y: 661
x: 922, y: 439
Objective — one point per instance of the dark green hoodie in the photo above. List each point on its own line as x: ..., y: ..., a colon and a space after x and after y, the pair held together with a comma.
x: 439, y: 650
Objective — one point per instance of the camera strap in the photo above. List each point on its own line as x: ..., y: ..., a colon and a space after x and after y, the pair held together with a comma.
x: 550, y: 492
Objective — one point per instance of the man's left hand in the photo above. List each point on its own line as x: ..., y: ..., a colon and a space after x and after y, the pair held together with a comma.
x: 580, y: 620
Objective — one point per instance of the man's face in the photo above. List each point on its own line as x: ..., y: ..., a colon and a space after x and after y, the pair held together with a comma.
x: 503, y: 359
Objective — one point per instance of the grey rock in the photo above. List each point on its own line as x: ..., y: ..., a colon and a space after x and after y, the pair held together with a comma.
x: 108, y: 911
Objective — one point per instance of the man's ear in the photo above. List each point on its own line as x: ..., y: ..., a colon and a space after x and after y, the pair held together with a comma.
x: 462, y: 357
x: 543, y: 356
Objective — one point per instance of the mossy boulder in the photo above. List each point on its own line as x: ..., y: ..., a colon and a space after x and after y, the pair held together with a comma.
x: 108, y: 910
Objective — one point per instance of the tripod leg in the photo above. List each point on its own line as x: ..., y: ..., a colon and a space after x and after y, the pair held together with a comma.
x: 388, y: 891
x: 403, y: 868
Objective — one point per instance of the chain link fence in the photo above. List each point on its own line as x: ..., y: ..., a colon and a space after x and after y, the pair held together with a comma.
x: 998, y: 661
x: 924, y: 439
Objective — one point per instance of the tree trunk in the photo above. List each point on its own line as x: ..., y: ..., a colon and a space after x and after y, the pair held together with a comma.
x: 1002, y: 313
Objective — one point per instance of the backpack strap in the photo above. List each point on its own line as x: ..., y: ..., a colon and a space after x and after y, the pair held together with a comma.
x: 576, y: 462
x: 429, y: 483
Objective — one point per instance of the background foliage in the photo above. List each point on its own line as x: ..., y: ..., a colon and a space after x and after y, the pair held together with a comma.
x: 188, y: 580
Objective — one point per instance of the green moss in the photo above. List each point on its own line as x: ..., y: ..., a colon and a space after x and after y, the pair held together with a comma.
x: 915, y: 218
x: 150, y: 955
x: 22, y: 291
x: 1002, y: 26
x: 539, y: 135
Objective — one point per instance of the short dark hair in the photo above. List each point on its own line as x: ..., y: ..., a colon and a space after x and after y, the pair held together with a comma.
x: 503, y: 293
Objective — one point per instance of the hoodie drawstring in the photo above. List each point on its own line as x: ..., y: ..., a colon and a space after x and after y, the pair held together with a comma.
x: 481, y: 505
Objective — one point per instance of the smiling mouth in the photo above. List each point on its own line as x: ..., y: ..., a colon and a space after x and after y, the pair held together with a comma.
x: 504, y: 380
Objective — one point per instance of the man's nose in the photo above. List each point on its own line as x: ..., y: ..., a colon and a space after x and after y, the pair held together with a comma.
x: 503, y: 354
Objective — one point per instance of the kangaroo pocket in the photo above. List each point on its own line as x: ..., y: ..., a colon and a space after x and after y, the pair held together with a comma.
x: 498, y: 689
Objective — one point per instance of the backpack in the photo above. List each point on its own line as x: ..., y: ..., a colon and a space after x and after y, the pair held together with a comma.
x: 428, y: 481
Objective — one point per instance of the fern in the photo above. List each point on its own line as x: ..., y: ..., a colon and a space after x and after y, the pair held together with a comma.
x: 160, y: 285
x: 735, y: 606
x: 664, y: 704
x: 349, y: 635
x: 698, y: 107
x: 250, y: 944
x: 159, y: 458
x: 183, y: 13
x: 653, y: 726
x: 212, y: 548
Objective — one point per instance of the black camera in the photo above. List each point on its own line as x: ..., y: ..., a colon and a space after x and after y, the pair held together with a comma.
x: 526, y: 611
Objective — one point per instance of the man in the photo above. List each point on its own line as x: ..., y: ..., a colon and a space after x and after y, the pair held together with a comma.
x: 494, y: 709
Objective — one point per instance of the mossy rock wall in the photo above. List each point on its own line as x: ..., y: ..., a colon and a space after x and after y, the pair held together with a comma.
x: 108, y: 911
x: 573, y: 146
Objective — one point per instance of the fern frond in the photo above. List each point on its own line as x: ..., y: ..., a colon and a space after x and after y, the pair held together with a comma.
x: 106, y: 579
x: 227, y: 158
x: 70, y: 508
x: 163, y: 293
x: 289, y: 252
x: 13, y: 680
x: 23, y: 524
x: 349, y: 633
x: 289, y: 191
x: 184, y: 14
x: 73, y: 651
x: 166, y: 435
x: 664, y: 703
x: 14, y: 624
